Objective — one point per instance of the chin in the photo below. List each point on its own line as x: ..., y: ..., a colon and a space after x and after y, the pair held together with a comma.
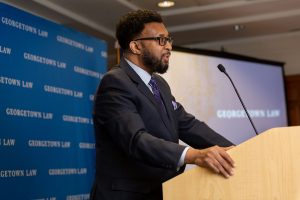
x: 163, y: 69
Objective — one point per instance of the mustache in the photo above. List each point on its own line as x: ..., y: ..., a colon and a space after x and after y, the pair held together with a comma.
x: 167, y: 53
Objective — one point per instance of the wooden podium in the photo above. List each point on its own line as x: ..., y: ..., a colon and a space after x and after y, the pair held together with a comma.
x: 267, y: 167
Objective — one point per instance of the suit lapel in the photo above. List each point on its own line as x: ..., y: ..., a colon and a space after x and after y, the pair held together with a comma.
x: 164, y: 116
x: 140, y: 84
x: 168, y: 104
x: 145, y: 90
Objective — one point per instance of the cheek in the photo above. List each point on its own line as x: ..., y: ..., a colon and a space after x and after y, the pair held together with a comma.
x: 159, y: 53
x: 156, y: 54
x: 156, y: 49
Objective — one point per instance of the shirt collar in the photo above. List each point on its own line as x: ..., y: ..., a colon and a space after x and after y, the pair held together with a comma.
x: 145, y: 76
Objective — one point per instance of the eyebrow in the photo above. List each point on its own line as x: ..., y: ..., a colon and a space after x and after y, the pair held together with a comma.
x: 163, y: 35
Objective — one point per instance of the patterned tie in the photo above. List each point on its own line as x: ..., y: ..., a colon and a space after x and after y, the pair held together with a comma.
x: 156, y: 93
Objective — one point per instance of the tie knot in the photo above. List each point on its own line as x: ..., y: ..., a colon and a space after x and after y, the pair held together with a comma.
x: 156, y: 93
x: 153, y: 83
x: 154, y: 87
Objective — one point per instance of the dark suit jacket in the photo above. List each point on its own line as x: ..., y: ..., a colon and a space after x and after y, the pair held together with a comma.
x: 136, y: 141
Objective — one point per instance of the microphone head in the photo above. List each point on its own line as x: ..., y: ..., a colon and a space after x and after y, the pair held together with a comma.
x: 221, y: 68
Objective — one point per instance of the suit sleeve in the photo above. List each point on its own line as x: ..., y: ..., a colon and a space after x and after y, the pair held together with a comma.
x: 193, y: 131
x: 197, y: 133
x: 116, y: 117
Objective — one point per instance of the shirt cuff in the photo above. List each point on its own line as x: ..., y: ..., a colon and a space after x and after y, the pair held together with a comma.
x: 181, y: 160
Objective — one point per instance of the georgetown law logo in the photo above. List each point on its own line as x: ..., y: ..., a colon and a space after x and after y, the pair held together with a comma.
x: 24, y: 27
x: 16, y: 82
x: 7, y: 142
x: 12, y: 173
x: 5, y: 50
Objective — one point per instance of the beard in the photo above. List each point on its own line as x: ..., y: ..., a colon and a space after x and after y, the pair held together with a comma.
x: 153, y: 63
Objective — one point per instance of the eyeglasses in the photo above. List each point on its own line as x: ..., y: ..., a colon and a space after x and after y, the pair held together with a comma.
x: 161, y: 40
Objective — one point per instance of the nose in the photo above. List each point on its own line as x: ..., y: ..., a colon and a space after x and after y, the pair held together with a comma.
x: 168, y: 46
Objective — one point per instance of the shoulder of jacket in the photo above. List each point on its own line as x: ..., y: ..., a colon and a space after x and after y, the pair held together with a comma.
x: 116, y: 74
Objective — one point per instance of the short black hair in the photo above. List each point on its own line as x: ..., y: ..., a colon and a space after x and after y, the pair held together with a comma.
x: 133, y: 23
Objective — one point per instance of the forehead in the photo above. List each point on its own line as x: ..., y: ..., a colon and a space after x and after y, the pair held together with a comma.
x: 155, y: 29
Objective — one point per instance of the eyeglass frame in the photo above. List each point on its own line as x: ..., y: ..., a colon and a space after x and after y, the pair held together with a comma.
x: 159, y: 39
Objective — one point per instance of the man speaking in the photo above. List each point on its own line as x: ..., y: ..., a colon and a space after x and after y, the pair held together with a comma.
x: 138, y: 122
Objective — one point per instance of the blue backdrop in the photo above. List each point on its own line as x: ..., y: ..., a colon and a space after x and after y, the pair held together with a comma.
x: 48, y: 76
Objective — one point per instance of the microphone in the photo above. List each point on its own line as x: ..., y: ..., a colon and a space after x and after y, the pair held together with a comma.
x: 222, y: 69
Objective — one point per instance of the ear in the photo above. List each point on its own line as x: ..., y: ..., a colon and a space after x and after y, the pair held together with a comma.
x: 135, y: 47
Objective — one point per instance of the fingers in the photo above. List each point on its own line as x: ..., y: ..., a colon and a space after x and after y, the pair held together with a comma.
x: 214, y: 167
x: 224, y: 163
x: 217, y: 159
x: 227, y: 158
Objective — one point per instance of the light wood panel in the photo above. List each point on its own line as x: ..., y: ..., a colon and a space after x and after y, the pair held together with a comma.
x: 268, y: 167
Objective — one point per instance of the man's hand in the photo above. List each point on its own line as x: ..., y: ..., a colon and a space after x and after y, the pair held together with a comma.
x: 215, y: 158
